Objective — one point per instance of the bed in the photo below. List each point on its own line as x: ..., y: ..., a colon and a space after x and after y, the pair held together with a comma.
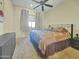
x: 47, y: 44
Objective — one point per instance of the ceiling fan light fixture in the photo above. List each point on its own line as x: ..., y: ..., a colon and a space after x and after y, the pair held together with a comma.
x: 42, y: 3
x: 31, y: 5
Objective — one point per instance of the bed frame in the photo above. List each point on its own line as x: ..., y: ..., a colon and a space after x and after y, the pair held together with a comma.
x: 63, y: 44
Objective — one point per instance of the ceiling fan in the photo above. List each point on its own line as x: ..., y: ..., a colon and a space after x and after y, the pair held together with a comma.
x: 42, y: 4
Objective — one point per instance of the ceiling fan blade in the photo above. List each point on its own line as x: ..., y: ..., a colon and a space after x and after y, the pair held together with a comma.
x: 42, y: 8
x: 45, y: 0
x: 48, y: 5
x: 36, y: 1
x: 36, y: 7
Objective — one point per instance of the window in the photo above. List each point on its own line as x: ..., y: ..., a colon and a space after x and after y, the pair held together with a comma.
x: 31, y: 21
x: 31, y: 24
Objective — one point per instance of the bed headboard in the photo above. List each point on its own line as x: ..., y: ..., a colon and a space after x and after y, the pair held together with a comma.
x: 69, y: 27
x: 71, y: 31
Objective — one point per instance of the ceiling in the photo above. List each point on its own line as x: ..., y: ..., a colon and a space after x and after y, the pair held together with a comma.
x: 30, y: 4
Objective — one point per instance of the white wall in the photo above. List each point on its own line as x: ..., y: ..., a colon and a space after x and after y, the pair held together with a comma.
x: 17, y: 15
x: 12, y: 19
x: 7, y: 25
x: 17, y: 29
x: 8, y: 16
x: 65, y: 13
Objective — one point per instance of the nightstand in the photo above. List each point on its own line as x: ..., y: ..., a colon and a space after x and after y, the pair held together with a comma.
x: 75, y: 43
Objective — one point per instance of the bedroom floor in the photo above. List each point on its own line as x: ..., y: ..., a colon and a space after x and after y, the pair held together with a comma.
x: 25, y: 50
x: 68, y: 53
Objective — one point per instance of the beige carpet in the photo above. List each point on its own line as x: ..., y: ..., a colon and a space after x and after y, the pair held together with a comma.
x: 25, y: 50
